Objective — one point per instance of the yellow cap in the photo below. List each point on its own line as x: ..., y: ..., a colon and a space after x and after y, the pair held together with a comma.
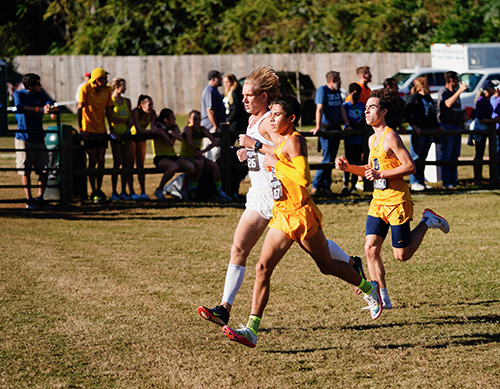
x: 97, y: 73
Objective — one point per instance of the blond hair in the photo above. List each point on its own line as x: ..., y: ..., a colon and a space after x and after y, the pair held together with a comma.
x: 419, y: 84
x: 234, y: 85
x: 264, y: 79
x: 116, y: 82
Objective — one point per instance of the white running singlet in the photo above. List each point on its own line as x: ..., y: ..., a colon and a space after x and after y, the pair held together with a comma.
x: 260, y: 179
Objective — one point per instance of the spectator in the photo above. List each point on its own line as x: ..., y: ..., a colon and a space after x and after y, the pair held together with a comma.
x: 122, y: 149
x: 165, y: 157
x: 95, y: 103
x: 235, y: 111
x: 484, y: 116
x: 353, y: 144
x: 190, y: 149
x: 396, y: 114
x: 143, y: 115
x: 330, y: 113
x: 31, y: 104
x: 213, y: 112
x: 86, y: 79
x: 365, y: 77
x: 451, y: 117
x: 421, y: 115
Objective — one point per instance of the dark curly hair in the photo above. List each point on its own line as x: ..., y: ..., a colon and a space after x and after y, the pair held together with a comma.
x: 386, y: 96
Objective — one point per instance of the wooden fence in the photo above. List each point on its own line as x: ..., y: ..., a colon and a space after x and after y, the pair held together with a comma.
x: 176, y: 82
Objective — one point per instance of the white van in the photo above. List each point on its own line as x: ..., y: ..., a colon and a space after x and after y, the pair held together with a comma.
x: 405, y: 78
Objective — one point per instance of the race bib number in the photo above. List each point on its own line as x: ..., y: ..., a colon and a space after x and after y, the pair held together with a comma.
x: 252, y: 160
x: 380, y: 184
x: 277, y: 188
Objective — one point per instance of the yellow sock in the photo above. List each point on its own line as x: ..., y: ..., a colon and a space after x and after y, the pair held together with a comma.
x: 365, y: 286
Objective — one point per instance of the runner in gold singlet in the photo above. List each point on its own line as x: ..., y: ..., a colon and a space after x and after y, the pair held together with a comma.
x: 392, y: 205
x: 295, y: 218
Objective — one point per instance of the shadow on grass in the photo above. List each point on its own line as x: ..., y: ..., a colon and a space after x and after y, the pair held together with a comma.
x: 111, y: 211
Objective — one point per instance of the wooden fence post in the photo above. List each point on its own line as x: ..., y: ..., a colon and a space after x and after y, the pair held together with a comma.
x: 493, y: 155
x: 225, y: 157
x: 66, y: 165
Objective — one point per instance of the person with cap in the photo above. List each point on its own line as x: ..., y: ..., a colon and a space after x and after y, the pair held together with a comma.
x: 94, y: 105
x: 213, y: 112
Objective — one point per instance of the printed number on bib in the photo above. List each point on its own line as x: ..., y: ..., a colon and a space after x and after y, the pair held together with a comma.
x: 380, y: 184
x: 252, y: 160
x: 277, y: 188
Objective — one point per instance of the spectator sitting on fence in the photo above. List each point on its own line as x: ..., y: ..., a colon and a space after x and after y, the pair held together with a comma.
x: 143, y: 115
x: 122, y: 149
x: 235, y: 111
x: 190, y: 149
x: 31, y: 104
x: 165, y: 157
x: 94, y: 103
x: 353, y: 144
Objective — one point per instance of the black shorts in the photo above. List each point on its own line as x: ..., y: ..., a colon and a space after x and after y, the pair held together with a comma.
x: 95, y: 144
x: 158, y: 158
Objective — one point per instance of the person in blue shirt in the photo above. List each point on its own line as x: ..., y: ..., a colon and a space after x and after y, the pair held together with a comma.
x: 31, y: 104
x: 330, y: 113
x: 353, y: 144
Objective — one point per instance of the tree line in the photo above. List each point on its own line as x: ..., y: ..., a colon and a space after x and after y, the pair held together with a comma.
x: 170, y: 27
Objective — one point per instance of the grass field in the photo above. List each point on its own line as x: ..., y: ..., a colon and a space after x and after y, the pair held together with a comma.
x: 95, y: 297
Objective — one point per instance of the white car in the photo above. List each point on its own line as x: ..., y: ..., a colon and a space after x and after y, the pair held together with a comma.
x: 475, y: 79
x: 405, y: 78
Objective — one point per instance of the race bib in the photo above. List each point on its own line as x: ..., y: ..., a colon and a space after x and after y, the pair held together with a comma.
x: 380, y: 184
x: 277, y: 188
x: 252, y: 160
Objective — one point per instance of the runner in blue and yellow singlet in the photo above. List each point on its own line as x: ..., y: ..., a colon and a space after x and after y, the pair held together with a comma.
x: 392, y: 205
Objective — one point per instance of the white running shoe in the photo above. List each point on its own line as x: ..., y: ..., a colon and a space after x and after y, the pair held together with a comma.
x: 417, y: 187
x: 374, y: 301
x: 435, y: 221
x: 243, y: 335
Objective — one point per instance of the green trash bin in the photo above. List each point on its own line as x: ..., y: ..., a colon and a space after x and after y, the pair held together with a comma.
x: 52, y: 142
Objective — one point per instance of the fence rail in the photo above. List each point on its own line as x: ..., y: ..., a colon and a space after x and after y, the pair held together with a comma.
x: 67, y: 172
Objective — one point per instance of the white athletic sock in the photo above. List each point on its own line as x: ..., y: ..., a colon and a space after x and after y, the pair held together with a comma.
x: 386, y: 301
x: 234, y: 279
x: 336, y: 252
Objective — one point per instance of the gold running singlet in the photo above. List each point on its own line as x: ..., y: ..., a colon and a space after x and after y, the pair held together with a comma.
x: 295, y: 213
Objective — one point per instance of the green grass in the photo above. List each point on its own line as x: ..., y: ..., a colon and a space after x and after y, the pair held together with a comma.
x: 106, y: 298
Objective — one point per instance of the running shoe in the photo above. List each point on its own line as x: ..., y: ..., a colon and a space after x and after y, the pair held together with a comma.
x: 135, y: 196
x: 42, y: 203
x: 374, y: 301
x: 99, y: 197
x: 115, y: 197
x: 358, y: 266
x: 436, y: 220
x: 243, y: 335
x: 218, y: 315
x: 223, y: 196
x: 31, y: 204
x: 159, y: 195
x: 125, y: 197
x: 144, y: 197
